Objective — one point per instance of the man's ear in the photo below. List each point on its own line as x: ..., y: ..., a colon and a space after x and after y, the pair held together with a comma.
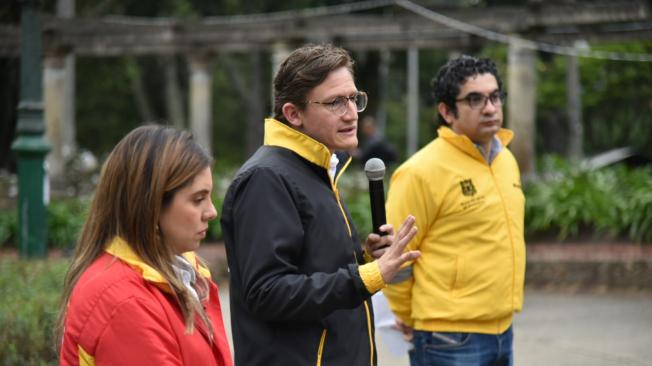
x: 292, y: 114
x: 445, y: 112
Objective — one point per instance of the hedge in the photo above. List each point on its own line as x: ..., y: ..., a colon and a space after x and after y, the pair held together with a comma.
x: 29, y: 300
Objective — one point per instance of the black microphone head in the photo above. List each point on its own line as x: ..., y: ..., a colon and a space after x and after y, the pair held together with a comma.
x: 375, y: 169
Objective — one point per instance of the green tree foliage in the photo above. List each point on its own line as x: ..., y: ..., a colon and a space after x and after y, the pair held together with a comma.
x: 616, y: 101
x: 105, y: 104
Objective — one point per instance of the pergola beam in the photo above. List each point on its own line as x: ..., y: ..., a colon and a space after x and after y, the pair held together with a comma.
x: 395, y: 29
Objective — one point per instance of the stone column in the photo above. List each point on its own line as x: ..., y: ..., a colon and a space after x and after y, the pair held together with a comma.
x: 383, y: 84
x: 173, y: 95
x: 574, y: 97
x: 59, y: 104
x: 66, y: 9
x: 413, y: 101
x: 59, y: 113
x: 201, y: 82
x: 522, y: 86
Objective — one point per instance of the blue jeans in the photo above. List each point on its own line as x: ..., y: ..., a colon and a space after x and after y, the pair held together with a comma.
x: 462, y: 349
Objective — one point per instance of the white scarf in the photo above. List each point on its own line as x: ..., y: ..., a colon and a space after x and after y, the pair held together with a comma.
x: 186, y: 273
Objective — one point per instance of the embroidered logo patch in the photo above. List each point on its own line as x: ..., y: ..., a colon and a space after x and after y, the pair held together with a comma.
x: 468, y: 189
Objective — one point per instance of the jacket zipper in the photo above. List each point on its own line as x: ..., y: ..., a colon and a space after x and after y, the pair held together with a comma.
x: 508, y: 223
x: 355, y: 258
x: 371, y: 343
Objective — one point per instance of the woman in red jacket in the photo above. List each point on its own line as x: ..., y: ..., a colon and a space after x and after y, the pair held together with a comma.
x: 136, y: 294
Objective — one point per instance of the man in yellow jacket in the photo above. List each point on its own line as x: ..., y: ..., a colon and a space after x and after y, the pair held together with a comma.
x: 464, y: 188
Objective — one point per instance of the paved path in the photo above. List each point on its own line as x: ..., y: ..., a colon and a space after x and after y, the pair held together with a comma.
x: 587, y: 329
x: 557, y: 329
x: 560, y: 328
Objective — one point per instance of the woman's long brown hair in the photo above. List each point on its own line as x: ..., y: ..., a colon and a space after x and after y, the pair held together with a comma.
x: 140, y: 176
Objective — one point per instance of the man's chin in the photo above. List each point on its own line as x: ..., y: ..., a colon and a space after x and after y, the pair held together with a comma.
x: 491, y: 129
x: 347, y: 145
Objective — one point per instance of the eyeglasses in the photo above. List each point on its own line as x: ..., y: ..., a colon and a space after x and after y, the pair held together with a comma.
x: 340, y: 105
x: 479, y: 101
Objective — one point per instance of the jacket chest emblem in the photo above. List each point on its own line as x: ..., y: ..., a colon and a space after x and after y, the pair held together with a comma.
x: 468, y: 189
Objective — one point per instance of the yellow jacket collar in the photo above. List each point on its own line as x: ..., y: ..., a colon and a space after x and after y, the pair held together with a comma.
x: 121, y: 250
x: 280, y: 134
x: 465, y: 144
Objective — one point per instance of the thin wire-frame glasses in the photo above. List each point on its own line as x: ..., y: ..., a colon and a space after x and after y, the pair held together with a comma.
x: 340, y: 105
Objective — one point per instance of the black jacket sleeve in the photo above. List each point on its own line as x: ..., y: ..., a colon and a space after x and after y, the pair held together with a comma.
x: 268, y: 236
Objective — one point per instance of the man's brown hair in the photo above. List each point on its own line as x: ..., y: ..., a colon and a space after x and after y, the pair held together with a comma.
x: 303, y: 70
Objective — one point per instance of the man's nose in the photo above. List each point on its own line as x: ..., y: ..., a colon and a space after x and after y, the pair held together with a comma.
x: 489, y: 106
x: 351, y: 110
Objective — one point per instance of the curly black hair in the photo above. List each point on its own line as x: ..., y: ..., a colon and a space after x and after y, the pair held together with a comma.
x: 450, y: 77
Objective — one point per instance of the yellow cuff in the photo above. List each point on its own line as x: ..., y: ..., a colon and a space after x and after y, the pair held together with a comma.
x: 370, y: 274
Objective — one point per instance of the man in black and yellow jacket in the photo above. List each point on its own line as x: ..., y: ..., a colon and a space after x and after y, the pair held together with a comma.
x: 300, y: 284
x: 464, y: 189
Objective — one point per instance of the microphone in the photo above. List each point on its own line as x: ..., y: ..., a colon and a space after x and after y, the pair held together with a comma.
x: 374, y: 168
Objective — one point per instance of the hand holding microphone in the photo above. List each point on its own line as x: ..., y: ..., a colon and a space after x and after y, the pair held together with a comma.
x: 383, y: 245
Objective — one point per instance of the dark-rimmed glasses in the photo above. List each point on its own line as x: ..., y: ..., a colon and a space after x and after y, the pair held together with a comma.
x: 479, y: 101
x: 340, y: 105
